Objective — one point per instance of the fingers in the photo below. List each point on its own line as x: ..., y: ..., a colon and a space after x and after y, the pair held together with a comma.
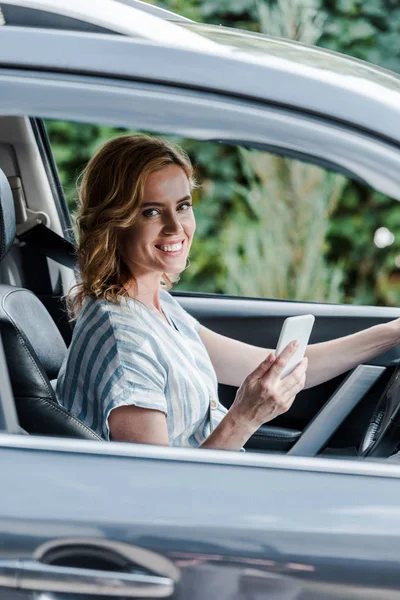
x: 282, y: 360
x: 294, y: 383
x: 275, y: 365
x: 264, y: 366
x: 264, y: 395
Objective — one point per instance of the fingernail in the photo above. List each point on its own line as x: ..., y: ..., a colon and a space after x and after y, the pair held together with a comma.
x: 296, y: 343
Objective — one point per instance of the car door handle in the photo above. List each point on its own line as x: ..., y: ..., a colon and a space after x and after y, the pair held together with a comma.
x: 35, y: 576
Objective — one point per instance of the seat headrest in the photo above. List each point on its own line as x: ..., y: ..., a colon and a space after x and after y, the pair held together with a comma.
x: 7, y: 216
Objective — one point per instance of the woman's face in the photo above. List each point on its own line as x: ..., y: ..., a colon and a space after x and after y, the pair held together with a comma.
x: 160, y: 239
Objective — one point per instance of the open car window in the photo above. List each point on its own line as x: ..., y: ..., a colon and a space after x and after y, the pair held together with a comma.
x: 247, y: 181
x: 270, y: 225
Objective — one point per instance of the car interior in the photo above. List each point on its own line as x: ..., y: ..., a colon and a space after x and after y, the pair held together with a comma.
x: 345, y: 417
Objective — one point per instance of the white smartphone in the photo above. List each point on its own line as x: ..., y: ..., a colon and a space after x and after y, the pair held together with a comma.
x: 295, y: 328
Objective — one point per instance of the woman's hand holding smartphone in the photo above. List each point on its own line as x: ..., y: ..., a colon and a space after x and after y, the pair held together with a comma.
x: 271, y: 388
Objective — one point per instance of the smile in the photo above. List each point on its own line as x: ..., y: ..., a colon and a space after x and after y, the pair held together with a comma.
x: 173, y: 249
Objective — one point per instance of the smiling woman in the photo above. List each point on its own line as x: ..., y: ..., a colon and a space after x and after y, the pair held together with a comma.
x: 139, y: 367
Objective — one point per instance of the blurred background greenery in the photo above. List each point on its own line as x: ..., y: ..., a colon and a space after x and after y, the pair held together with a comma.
x: 268, y: 226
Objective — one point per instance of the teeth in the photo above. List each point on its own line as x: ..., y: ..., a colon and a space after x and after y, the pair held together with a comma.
x: 172, y: 248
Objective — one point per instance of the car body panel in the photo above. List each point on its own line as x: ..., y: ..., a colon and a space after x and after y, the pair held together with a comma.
x: 220, y: 535
x: 369, y: 96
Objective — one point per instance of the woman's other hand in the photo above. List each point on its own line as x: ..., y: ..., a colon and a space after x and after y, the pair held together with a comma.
x: 262, y: 396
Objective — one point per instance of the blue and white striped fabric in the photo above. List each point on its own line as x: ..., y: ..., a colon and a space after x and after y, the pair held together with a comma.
x: 126, y: 354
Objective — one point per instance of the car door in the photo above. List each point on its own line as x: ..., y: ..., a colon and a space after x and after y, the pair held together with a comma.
x: 331, y: 144
x: 83, y: 517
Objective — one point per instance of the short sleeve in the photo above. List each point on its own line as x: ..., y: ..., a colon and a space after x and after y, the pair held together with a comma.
x: 191, y: 321
x: 141, y: 380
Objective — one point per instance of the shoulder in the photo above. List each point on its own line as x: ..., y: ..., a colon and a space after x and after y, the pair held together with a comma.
x: 92, y: 315
x: 115, y: 333
x: 100, y: 315
x: 129, y: 321
x: 171, y: 303
x: 178, y: 312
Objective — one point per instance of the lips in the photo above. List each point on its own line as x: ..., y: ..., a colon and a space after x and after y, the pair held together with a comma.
x: 171, y: 248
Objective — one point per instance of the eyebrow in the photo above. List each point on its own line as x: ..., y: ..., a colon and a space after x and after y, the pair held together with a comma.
x: 163, y: 203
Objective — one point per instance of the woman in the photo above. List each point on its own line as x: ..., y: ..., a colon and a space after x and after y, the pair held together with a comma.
x: 139, y: 367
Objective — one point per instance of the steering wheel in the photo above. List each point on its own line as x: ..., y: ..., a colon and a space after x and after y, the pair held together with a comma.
x: 382, y: 436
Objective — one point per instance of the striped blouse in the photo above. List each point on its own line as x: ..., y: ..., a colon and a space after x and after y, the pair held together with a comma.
x: 125, y: 354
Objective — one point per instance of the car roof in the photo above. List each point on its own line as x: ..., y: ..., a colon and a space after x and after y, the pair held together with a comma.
x: 124, y: 17
x: 154, y: 10
x: 158, y: 49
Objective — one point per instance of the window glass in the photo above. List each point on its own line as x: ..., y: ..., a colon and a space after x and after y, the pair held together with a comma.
x: 302, y: 54
x: 269, y: 226
x: 21, y: 16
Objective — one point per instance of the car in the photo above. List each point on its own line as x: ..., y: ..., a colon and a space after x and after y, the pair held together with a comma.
x: 311, y: 509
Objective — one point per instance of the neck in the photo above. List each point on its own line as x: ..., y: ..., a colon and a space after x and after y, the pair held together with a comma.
x: 147, y: 290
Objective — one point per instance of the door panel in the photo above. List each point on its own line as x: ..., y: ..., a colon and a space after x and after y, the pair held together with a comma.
x: 293, y: 528
x: 258, y: 322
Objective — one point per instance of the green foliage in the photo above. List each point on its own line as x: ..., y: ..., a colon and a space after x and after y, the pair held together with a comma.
x: 190, y: 9
x: 301, y: 21
x: 367, y: 29
x: 267, y: 226
x: 73, y: 144
x: 279, y: 252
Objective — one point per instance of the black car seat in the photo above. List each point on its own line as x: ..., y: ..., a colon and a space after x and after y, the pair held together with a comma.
x: 33, y: 346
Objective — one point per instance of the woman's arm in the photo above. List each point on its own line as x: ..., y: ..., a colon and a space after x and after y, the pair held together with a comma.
x: 231, y: 359
x: 329, y: 359
x: 234, y: 360
x: 136, y: 424
x: 262, y: 396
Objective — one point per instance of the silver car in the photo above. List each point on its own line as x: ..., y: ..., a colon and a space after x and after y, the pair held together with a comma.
x: 311, y: 510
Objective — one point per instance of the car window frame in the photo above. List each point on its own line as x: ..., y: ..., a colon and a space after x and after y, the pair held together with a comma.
x: 51, y: 90
x: 228, y: 458
x: 162, y: 109
x: 278, y: 80
x: 8, y: 415
x: 50, y: 166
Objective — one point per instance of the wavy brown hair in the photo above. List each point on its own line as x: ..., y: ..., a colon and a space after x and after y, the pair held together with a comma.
x: 110, y: 197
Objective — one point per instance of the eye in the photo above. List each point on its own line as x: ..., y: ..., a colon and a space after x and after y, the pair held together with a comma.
x: 185, y: 206
x: 150, y: 212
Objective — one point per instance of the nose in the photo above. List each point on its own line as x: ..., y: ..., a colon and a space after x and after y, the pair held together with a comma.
x: 172, y: 225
